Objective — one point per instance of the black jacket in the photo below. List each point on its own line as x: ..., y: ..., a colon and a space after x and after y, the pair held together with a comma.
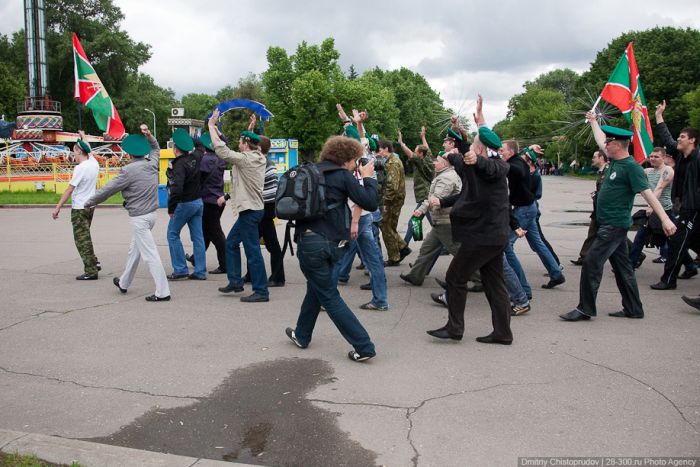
x: 340, y: 185
x: 184, y: 180
x: 691, y: 188
x: 519, y: 182
x: 481, y: 214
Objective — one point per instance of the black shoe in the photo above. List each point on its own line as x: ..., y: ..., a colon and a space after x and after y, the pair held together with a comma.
x: 403, y: 253
x: 86, y: 277
x: 356, y: 356
x: 218, y: 270
x: 231, y: 288
x: 154, y: 298
x: 196, y: 278
x: 441, y: 283
x: 293, y: 337
x: 661, y: 285
x: 408, y: 279
x: 575, y: 315
x: 360, y: 267
x: 177, y: 277
x: 343, y: 281
x: 659, y: 260
x: 476, y: 288
x: 255, y: 298
x: 246, y: 279
x: 623, y: 314
x: 491, y: 339
x: 553, y: 283
x: 687, y: 274
x: 439, y: 298
x: 641, y: 259
x: 115, y: 281
x: 190, y: 259
x: 694, y: 302
x: 275, y: 283
x: 443, y: 333
x: 98, y: 265
x: 391, y: 264
x: 367, y: 286
x: 577, y: 262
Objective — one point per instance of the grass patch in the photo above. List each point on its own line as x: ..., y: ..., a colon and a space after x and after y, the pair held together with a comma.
x: 43, y: 197
x: 16, y: 460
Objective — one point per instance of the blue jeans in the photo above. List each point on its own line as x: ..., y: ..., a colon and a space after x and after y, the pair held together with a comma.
x: 527, y: 219
x: 246, y: 230
x: 515, y: 290
x: 366, y: 245
x: 317, y: 259
x: 190, y: 213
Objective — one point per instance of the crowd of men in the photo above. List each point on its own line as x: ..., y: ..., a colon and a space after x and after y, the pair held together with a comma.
x: 478, y: 195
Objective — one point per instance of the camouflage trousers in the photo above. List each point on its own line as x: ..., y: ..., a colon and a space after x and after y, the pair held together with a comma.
x: 392, y: 240
x: 81, y: 220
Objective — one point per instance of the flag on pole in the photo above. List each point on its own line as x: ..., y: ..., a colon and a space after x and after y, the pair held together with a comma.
x: 93, y: 95
x: 624, y: 91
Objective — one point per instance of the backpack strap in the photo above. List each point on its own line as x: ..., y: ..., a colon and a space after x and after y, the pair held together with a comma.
x: 288, y: 239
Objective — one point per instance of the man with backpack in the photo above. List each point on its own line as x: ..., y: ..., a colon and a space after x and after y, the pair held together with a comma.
x: 322, y: 232
x: 247, y: 180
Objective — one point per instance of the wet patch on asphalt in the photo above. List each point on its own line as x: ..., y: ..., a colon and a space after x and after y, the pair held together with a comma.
x: 258, y: 415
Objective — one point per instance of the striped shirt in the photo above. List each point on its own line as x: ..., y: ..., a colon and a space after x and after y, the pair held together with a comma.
x: 270, y: 184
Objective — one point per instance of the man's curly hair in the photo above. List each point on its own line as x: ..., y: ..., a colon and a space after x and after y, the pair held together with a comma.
x: 341, y: 149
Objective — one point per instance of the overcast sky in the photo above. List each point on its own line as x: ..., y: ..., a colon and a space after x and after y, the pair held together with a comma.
x: 461, y: 47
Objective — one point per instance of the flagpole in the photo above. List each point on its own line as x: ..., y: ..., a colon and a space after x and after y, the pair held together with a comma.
x: 595, y: 105
x: 80, y: 115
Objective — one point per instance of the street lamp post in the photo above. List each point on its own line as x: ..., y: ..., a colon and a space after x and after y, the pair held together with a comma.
x: 155, y: 134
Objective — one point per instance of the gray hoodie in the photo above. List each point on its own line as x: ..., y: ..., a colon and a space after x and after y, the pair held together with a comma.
x: 138, y: 182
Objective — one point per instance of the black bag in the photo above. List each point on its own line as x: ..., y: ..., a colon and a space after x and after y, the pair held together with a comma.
x: 301, y: 193
x: 656, y: 237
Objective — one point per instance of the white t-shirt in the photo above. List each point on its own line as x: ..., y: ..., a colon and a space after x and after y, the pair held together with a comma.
x: 84, y: 181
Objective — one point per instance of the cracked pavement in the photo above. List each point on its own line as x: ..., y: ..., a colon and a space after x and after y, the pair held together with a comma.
x: 80, y: 360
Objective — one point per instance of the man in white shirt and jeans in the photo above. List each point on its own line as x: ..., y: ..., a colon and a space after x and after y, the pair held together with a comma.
x: 80, y: 189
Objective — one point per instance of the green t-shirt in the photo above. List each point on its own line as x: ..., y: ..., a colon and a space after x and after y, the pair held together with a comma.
x: 625, y: 178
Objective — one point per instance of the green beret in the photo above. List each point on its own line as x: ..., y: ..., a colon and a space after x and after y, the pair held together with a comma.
x: 136, y: 145
x: 206, y: 140
x: 251, y: 136
x: 441, y: 153
x: 453, y: 134
x: 84, y: 146
x: 351, y: 132
x: 616, y: 133
x: 373, y: 146
x: 489, y: 138
x: 182, y: 140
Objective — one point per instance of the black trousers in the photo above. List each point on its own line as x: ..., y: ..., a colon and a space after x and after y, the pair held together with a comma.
x: 266, y: 229
x: 489, y: 261
x: 609, y: 243
x: 213, y: 233
x: 687, y: 234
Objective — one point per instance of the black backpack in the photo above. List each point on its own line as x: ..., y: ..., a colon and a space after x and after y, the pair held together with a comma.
x: 301, y: 193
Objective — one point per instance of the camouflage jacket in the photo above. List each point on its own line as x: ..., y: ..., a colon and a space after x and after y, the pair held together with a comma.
x: 423, y: 173
x: 395, y: 183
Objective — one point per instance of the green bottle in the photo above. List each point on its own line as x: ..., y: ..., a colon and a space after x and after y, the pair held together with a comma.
x: 417, y: 224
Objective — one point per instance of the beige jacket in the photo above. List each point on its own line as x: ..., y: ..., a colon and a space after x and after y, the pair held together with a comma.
x: 247, y: 177
x: 446, y: 183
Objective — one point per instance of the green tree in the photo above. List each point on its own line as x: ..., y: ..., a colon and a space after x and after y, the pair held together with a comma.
x: 140, y: 93
x: 301, y: 90
x: 419, y: 105
x: 198, y: 105
x: 562, y: 80
x: 352, y: 74
x: 12, y: 76
x: 369, y: 93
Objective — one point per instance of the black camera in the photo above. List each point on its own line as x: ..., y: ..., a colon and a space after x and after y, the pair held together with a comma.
x: 378, y: 163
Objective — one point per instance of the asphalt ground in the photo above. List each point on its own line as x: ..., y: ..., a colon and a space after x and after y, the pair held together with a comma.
x: 209, y: 377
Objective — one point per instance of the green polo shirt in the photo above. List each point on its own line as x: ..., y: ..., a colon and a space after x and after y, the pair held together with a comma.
x: 625, y: 178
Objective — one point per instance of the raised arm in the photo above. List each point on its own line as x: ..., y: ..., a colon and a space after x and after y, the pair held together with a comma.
x: 406, y: 150
x: 598, y: 134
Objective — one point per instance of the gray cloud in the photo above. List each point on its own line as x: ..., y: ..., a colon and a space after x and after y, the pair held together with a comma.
x: 462, y: 48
